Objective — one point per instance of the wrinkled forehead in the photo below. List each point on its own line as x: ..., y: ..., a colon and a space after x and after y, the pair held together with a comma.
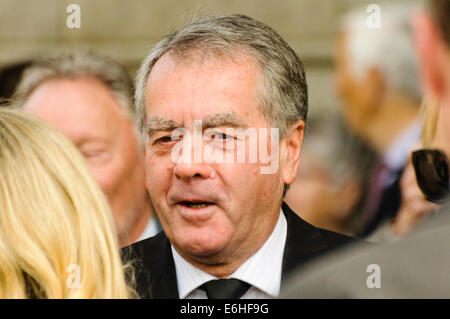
x: 186, y: 91
x: 79, y: 108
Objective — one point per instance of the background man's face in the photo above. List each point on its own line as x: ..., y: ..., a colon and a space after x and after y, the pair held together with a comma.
x: 351, y: 90
x: 312, y: 190
x: 241, y: 201
x: 86, y: 112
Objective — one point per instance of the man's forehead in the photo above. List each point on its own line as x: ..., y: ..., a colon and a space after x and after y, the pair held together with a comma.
x: 209, y: 72
x: 83, y: 96
x: 219, y: 94
x: 80, y: 115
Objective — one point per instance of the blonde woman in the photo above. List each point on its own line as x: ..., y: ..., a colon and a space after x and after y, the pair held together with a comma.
x: 57, y: 238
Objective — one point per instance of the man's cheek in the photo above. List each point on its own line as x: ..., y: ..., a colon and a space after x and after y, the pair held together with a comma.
x: 105, y: 178
x: 157, y: 183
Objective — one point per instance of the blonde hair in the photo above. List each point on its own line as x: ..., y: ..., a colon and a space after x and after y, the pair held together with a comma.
x: 430, y: 116
x: 55, y: 223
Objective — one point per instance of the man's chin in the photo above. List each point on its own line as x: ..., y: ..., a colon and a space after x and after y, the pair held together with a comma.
x: 206, y: 251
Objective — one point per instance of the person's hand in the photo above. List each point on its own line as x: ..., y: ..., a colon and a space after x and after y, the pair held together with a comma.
x: 414, y: 207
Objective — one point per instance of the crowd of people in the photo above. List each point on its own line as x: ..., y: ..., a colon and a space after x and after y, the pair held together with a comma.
x: 205, y: 178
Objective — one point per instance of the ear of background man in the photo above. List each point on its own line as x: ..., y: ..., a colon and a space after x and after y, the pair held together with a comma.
x: 433, y: 54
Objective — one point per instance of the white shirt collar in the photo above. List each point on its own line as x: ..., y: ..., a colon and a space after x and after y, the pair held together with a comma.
x: 262, y: 270
x: 397, y: 154
x: 150, y: 230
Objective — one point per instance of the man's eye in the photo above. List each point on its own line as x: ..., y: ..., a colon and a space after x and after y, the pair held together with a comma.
x: 164, y: 139
x: 223, y: 136
x: 92, y: 153
x: 93, y: 156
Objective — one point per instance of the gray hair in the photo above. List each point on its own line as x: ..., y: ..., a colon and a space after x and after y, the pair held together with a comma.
x: 389, y: 48
x: 75, y: 65
x: 283, y: 96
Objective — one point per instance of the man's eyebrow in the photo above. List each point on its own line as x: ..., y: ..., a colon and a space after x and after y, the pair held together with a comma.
x: 226, y: 119
x: 158, y: 123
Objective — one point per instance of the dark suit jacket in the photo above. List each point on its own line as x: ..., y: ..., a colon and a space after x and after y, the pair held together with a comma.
x: 388, y: 206
x: 155, y: 269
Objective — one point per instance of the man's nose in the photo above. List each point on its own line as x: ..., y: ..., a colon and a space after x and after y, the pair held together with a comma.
x: 190, y: 162
x: 191, y: 170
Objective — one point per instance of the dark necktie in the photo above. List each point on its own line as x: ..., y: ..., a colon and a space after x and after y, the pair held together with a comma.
x: 225, y: 288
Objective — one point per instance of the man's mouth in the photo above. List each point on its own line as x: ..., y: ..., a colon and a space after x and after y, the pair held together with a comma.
x: 195, y: 204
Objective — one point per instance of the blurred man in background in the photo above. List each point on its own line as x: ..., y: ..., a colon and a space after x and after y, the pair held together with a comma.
x: 416, y: 266
x: 89, y: 99
x: 378, y: 83
x: 331, y: 183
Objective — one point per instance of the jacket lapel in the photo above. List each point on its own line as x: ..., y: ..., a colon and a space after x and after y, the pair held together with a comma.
x: 165, y: 285
x: 156, y: 276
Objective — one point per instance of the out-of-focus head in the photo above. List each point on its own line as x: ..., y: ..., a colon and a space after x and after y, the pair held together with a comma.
x: 229, y: 72
x: 54, y: 219
x: 432, y: 39
x: 331, y: 180
x: 373, y: 63
x: 89, y: 99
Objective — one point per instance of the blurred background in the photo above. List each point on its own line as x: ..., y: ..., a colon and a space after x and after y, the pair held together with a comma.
x: 125, y: 30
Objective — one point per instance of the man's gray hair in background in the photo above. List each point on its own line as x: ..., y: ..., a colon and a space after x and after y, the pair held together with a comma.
x: 75, y: 65
x: 389, y: 48
x: 337, y: 150
x: 282, y: 94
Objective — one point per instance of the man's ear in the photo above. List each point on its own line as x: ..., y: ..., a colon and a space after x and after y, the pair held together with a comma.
x: 429, y: 46
x: 291, y: 154
x: 375, y: 86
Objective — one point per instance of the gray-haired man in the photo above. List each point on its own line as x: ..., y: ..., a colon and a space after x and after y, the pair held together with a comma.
x: 227, y: 232
x: 89, y: 99
x: 377, y: 80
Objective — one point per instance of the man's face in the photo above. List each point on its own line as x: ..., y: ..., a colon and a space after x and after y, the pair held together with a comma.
x: 353, y: 92
x: 311, y: 192
x: 239, y: 204
x: 86, y: 112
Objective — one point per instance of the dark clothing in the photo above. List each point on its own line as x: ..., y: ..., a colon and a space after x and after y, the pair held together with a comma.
x: 155, y: 267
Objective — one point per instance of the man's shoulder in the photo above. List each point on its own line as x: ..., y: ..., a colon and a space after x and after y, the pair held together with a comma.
x: 335, y: 240
x: 305, y: 242
x: 142, y: 253
x: 158, y: 241
x: 329, y: 239
x: 412, y: 267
